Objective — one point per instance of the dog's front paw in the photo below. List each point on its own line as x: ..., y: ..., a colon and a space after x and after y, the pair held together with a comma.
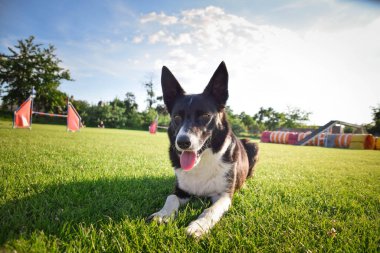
x: 198, y: 228
x: 159, y: 217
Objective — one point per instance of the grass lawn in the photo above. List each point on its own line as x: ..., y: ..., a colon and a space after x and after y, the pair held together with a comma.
x: 91, y: 191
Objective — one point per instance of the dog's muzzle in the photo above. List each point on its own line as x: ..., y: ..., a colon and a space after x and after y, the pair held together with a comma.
x: 183, y: 142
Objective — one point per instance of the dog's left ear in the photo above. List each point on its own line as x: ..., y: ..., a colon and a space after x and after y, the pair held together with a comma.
x: 171, y: 88
x: 218, y: 86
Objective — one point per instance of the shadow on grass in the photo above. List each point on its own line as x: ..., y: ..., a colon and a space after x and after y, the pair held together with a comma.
x: 58, y: 206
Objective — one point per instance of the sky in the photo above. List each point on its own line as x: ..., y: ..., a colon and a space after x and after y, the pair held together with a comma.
x: 322, y: 56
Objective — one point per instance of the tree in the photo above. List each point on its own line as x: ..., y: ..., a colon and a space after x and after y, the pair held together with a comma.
x: 130, y: 102
x: 374, y: 128
x: 295, y: 117
x: 116, y: 102
x: 269, y: 119
x: 148, y: 116
x: 264, y: 114
x: 80, y: 105
x: 249, y: 122
x: 31, y: 65
x: 151, y: 99
x: 111, y: 113
x: 161, y: 110
x: 134, y: 118
x: 236, y: 124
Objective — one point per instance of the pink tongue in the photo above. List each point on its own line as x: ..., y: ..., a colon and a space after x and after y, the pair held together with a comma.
x: 188, y: 159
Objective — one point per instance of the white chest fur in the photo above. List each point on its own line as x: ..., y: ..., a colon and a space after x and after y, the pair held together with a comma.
x: 208, y: 177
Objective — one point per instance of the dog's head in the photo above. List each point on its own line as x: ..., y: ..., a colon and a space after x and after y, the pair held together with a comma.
x: 194, y: 118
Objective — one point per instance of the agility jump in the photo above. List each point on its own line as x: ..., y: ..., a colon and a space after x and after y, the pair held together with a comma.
x: 23, y: 116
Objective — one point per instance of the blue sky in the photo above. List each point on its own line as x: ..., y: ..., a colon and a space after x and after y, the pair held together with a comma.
x: 321, y: 56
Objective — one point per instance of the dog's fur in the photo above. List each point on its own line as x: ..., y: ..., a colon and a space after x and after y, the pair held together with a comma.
x: 199, y: 124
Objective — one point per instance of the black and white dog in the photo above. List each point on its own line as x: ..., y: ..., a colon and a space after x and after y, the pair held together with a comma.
x: 208, y: 159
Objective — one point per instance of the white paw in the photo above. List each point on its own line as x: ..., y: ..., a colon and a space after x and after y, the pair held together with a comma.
x: 160, y: 217
x: 198, y: 228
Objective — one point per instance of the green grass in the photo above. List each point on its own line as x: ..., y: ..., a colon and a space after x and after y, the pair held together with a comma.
x: 91, y: 191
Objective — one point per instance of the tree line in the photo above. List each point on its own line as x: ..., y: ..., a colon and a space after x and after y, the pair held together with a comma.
x: 29, y: 65
x: 124, y: 114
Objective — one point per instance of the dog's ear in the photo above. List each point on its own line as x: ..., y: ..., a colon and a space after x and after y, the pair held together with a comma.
x: 218, y: 86
x: 171, y: 88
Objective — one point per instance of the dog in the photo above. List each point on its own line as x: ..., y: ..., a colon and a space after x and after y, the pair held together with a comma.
x: 208, y: 159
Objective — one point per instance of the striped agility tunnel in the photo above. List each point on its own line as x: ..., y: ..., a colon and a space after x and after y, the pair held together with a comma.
x: 351, y: 141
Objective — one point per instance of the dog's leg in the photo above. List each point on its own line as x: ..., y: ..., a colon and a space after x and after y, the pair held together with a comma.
x: 210, y: 216
x: 169, y: 210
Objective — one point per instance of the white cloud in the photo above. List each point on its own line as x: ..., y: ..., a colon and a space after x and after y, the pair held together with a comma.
x: 138, y: 39
x: 170, y: 39
x: 161, y: 18
x: 157, y: 37
x: 183, y: 38
x: 332, y: 74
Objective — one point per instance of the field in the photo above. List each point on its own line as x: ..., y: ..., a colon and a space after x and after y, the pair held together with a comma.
x: 91, y: 192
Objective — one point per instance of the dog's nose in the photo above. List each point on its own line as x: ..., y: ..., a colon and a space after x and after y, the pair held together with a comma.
x: 183, y: 142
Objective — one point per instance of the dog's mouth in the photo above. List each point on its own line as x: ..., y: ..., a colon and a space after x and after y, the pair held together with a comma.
x: 189, y: 158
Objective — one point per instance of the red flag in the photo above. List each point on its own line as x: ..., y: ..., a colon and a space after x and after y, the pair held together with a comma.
x: 153, y: 127
x: 23, y: 115
x: 73, y: 118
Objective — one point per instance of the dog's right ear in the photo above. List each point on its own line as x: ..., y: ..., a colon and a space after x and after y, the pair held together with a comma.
x: 171, y: 88
x: 218, y: 86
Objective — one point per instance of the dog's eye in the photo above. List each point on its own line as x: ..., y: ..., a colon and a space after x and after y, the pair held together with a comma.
x: 177, y: 119
x: 205, y: 117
